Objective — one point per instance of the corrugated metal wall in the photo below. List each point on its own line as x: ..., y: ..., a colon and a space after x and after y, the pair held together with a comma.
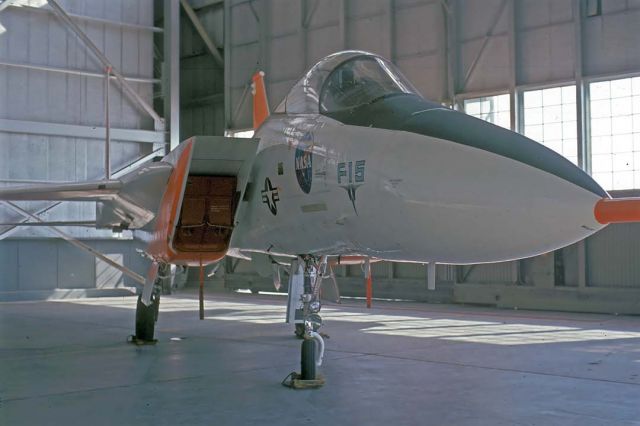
x: 52, y: 264
x: 40, y: 59
x: 613, y: 257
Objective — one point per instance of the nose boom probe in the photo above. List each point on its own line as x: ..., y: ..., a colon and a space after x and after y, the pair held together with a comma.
x: 617, y: 210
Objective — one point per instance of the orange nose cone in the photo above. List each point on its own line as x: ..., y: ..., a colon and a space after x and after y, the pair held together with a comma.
x: 617, y: 210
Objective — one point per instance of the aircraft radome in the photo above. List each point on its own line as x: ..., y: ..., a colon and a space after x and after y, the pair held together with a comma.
x: 353, y: 164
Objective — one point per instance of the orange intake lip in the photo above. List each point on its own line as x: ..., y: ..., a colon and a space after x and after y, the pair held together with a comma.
x: 617, y: 210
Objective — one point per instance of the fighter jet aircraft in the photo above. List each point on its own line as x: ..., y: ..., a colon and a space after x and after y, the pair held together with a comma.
x: 353, y: 162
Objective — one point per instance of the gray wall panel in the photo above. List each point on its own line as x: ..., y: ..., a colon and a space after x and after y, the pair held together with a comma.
x: 40, y: 38
x: 244, y: 28
x: 542, y: 13
x: 570, y: 259
x: 121, y: 252
x: 419, y: 30
x: 370, y: 34
x: 490, y: 273
x: 278, y: 91
x: 8, y: 266
x: 475, y: 18
x: 62, y: 154
x: 614, y: 42
x: 285, y: 16
x: 37, y: 265
x: 4, y: 89
x: 323, y: 42
x: 360, y: 8
x: 286, y: 50
x: 17, y: 93
x: 492, y: 70
x: 244, y: 64
x: 426, y: 73
x: 242, y: 117
x: 409, y: 270
x: 75, y: 267
x: 547, y: 54
x: 326, y: 14
x: 612, y: 257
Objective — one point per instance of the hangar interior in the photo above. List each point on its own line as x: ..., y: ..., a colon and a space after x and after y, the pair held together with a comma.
x: 564, y: 72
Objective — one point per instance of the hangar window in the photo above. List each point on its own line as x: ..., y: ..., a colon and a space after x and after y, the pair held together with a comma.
x: 615, y: 133
x: 494, y: 109
x: 550, y: 118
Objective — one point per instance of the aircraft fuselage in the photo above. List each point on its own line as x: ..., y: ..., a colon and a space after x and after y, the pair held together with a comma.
x: 319, y: 186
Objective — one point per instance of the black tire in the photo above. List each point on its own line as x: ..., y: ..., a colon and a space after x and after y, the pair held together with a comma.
x: 146, y: 319
x: 308, y: 360
x: 299, y: 331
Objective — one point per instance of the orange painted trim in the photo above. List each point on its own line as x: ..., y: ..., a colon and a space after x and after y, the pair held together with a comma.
x: 260, y: 104
x: 160, y: 247
x: 617, y: 210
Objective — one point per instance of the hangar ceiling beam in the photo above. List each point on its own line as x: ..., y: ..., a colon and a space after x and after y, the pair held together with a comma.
x: 582, y: 95
x: 77, y: 131
x: 227, y: 64
x: 306, y: 15
x: 514, y: 101
x: 89, y: 223
x: 126, y: 88
x: 74, y: 71
x: 582, y: 123
x: 5, y: 4
x: 211, y: 46
x: 264, y: 28
x: 451, y: 72
x: 171, y: 72
x: 391, y: 28
x: 201, y: 4
x: 309, y: 12
x: 342, y: 23
x: 85, y: 18
x: 204, y: 100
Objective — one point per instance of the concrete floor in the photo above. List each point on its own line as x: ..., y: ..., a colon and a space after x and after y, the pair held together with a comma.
x: 397, y: 364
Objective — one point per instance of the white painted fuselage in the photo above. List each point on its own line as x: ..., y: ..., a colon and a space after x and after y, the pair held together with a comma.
x: 322, y: 187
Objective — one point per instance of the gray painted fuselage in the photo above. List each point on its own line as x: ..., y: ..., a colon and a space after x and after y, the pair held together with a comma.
x: 399, y: 195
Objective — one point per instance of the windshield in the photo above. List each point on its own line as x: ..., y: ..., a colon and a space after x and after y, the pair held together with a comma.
x: 360, y: 81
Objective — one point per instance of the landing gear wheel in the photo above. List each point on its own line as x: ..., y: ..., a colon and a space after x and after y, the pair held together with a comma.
x: 146, y: 317
x: 308, y: 360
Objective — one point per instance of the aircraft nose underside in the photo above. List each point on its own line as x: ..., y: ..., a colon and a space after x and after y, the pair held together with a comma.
x: 486, y: 208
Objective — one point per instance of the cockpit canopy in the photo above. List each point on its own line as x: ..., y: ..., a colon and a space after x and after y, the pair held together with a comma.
x: 345, y: 80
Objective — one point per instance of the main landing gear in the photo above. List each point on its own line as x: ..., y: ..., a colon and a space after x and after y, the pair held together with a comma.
x: 303, y: 310
x: 148, y: 306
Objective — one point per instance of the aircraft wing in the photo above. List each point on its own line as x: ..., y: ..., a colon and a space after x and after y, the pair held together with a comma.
x: 129, y: 202
x: 81, y: 191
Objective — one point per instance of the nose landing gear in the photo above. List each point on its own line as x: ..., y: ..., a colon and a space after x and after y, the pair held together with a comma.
x: 303, y: 308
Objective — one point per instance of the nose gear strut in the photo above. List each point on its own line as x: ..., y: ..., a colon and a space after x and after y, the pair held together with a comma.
x: 304, y: 307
